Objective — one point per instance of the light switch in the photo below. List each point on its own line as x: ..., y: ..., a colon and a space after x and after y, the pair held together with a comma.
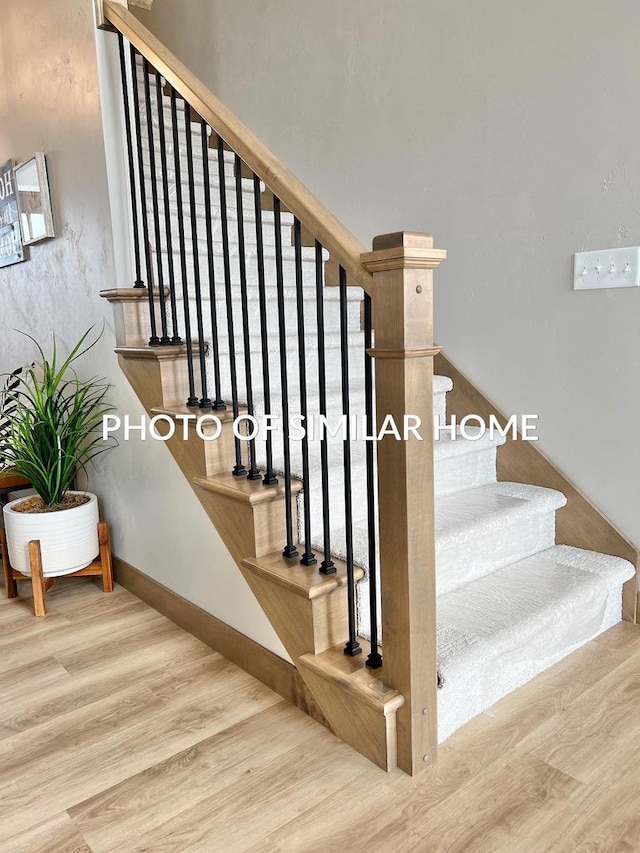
x: 607, y: 268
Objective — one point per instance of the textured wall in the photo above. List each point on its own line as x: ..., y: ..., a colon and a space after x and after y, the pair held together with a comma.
x: 49, y: 101
x: 509, y: 130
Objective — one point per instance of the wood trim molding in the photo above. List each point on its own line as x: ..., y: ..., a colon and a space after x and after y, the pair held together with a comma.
x: 403, y: 250
x: 403, y: 259
x: 419, y: 352
x: 278, y: 674
x: 131, y: 294
x: 341, y: 244
x: 579, y: 523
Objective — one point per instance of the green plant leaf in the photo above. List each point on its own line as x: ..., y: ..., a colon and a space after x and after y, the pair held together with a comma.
x: 55, y: 428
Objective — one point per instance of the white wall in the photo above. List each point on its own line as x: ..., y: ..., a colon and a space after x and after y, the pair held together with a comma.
x: 510, y: 131
x: 49, y: 102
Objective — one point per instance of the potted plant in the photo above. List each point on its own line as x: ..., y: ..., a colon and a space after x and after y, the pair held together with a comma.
x: 53, y: 433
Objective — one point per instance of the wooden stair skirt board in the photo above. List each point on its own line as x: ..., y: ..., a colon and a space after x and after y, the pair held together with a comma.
x: 306, y: 609
x: 579, y: 522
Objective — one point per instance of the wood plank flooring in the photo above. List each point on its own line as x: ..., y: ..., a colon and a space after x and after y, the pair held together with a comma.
x: 120, y: 733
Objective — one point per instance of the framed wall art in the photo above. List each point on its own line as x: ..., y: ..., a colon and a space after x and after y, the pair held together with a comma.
x: 34, y: 201
x: 11, y: 247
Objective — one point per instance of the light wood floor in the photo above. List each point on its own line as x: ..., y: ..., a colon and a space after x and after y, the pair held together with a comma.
x: 120, y: 732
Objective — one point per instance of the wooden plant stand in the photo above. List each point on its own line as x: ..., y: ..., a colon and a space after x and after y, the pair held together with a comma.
x: 101, y: 567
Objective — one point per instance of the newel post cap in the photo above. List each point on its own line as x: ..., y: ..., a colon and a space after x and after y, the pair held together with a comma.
x: 403, y: 250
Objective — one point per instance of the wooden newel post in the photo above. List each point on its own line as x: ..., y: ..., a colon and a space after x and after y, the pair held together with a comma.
x: 402, y: 265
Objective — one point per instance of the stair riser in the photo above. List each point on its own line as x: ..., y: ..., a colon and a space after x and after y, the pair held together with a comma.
x: 332, y: 310
x: 338, y: 521
x: 333, y: 360
x: 166, y: 107
x: 198, y: 169
x: 250, y: 237
x: 194, y: 126
x: 214, y: 183
x: 440, y: 407
x: 334, y: 405
x: 251, y: 268
x: 248, y: 212
x: 466, y: 471
x: 200, y: 207
x: 313, y: 627
x: 367, y: 729
x: 166, y: 100
x: 198, y: 183
x: 250, y: 530
x: 466, y: 561
x: 174, y: 379
x: 212, y: 457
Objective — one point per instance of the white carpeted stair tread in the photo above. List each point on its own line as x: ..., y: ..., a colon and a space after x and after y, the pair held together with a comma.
x: 496, y: 633
x: 478, y: 510
x: 442, y: 384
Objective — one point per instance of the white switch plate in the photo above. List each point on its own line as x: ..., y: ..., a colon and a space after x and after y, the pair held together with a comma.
x: 607, y: 268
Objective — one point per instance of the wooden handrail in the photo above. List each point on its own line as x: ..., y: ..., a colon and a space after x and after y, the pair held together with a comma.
x: 341, y: 244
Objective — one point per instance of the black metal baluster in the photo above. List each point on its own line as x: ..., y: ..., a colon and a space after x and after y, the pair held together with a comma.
x: 289, y: 550
x: 238, y: 469
x: 352, y: 647
x: 218, y: 403
x: 154, y: 340
x: 270, y: 478
x: 254, y: 473
x: 308, y: 558
x: 175, y: 338
x: 139, y: 283
x: 327, y: 566
x: 374, y: 658
x: 205, y: 402
x: 192, y: 400
x: 147, y: 68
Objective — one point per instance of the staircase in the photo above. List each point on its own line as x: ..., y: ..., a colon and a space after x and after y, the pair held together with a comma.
x: 248, y: 300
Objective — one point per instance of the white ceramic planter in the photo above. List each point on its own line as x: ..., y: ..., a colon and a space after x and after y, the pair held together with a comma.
x: 68, y: 539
